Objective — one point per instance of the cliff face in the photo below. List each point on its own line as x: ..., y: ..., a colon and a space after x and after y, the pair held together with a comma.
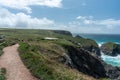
x: 93, y: 50
x: 84, y: 62
x: 89, y: 45
x: 112, y: 72
x: 111, y: 49
x: 92, y: 65
x: 87, y: 63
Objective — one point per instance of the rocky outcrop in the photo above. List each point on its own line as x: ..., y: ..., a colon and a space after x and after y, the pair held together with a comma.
x: 63, y: 32
x: 93, y: 50
x: 111, y: 49
x: 112, y: 72
x: 88, y: 44
x: 85, y: 62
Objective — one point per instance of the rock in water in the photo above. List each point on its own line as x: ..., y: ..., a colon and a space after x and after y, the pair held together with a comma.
x: 110, y: 48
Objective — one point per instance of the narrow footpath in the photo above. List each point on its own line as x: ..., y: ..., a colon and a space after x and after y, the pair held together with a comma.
x: 15, y: 68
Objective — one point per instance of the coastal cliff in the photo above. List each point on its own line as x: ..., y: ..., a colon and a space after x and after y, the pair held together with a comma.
x: 83, y: 61
x: 62, y: 57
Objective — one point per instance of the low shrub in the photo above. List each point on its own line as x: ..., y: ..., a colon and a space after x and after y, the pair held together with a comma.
x: 2, y: 74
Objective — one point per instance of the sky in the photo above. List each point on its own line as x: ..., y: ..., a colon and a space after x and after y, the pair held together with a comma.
x: 77, y: 16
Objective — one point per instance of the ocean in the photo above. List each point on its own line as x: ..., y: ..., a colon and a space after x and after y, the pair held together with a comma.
x: 102, y: 38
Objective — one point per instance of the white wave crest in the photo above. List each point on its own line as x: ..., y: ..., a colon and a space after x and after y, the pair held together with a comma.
x: 115, y: 61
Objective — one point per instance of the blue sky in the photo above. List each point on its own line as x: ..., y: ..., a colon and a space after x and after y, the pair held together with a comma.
x: 77, y: 16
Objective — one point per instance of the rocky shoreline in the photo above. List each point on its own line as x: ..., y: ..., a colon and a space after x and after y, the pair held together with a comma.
x: 88, y: 60
x: 93, y: 65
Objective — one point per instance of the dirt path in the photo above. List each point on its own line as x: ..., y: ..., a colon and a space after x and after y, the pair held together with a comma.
x: 13, y: 64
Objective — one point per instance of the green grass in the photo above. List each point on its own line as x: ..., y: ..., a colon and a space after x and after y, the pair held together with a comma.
x: 2, y: 74
x: 39, y: 65
x: 5, y: 44
x: 2, y: 45
x: 37, y: 35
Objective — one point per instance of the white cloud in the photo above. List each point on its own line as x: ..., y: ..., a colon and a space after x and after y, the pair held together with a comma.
x: 105, y: 22
x: 110, y: 22
x: 25, y: 4
x: 21, y: 20
x: 86, y: 24
x: 80, y: 17
x: 84, y: 17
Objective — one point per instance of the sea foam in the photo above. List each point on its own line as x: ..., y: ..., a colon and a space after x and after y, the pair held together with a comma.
x: 115, y: 61
x: 100, y: 44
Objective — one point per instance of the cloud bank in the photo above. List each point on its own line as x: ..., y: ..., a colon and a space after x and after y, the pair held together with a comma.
x: 87, y: 24
x: 25, y: 4
x: 21, y: 20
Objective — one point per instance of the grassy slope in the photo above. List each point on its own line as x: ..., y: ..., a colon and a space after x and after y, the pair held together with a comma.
x: 43, y: 63
x: 40, y: 56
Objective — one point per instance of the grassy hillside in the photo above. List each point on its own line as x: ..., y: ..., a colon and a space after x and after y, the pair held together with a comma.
x: 43, y: 57
x: 43, y: 63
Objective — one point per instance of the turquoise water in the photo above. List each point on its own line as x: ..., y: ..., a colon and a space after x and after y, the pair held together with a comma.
x: 100, y: 39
